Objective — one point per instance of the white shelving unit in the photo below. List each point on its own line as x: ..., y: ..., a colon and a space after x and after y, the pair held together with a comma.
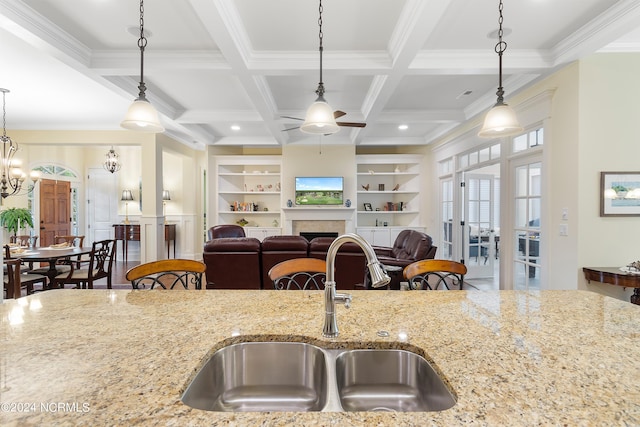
x: 248, y: 187
x: 390, y: 185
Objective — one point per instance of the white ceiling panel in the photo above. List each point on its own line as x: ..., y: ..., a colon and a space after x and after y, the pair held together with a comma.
x: 211, y: 64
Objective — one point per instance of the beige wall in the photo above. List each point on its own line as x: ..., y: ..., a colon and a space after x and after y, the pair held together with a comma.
x: 609, y: 118
x: 309, y: 160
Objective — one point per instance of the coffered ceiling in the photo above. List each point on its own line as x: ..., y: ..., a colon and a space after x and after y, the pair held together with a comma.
x: 214, y: 64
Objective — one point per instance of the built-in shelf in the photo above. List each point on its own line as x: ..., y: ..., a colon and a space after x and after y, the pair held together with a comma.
x: 381, y: 174
x: 249, y: 180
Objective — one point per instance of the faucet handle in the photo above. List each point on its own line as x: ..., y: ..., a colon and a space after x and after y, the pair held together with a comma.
x: 347, y: 301
x: 344, y: 299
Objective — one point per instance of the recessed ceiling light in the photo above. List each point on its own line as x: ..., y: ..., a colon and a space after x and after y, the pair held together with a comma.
x: 235, y: 127
x: 465, y: 93
x: 403, y: 127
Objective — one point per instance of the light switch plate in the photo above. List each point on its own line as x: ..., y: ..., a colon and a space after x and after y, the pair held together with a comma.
x: 565, y: 214
x: 564, y: 229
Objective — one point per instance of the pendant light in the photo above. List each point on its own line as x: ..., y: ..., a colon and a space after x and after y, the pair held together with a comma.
x: 112, y: 161
x: 142, y: 116
x: 12, y: 178
x: 320, y: 118
x: 501, y: 120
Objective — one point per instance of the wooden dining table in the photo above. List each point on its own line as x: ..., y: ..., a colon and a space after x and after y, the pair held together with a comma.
x: 51, y: 256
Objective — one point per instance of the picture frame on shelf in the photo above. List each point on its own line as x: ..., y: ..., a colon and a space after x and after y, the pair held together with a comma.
x: 619, y: 193
x: 367, y: 207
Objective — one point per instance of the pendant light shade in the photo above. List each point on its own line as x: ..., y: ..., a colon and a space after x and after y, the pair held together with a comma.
x: 501, y: 120
x: 320, y: 119
x: 142, y: 117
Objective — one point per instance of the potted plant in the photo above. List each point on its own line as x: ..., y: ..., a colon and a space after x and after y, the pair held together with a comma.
x: 11, y: 217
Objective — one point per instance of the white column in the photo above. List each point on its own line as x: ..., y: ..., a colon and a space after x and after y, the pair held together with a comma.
x: 152, y: 220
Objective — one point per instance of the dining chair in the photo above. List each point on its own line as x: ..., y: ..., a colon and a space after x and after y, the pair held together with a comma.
x: 24, y: 240
x: 11, y: 279
x: 167, y: 274
x: 71, y: 240
x: 432, y: 273
x: 28, y: 278
x: 100, y: 266
x: 299, y: 273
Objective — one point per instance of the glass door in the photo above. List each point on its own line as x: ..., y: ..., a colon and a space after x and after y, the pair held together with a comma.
x: 446, y: 243
x: 528, y: 183
x: 479, y: 229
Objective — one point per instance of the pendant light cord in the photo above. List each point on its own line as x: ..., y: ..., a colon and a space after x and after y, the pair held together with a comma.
x: 320, y: 90
x: 501, y: 46
x: 142, y: 43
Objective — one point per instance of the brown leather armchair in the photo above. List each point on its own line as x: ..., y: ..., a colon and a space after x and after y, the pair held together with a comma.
x: 409, y: 246
x: 232, y: 263
x: 225, y: 230
x: 276, y: 249
x: 350, y: 262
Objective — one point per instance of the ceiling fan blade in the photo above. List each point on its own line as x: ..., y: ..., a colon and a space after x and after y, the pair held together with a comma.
x: 337, y: 114
x: 351, y: 124
x: 293, y: 118
x: 297, y: 127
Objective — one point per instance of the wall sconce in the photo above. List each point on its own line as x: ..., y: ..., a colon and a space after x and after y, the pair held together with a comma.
x: 127, y: 196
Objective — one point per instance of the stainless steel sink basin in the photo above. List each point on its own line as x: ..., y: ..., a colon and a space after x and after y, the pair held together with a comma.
x: 296, y: 377
x: 389, y: 380
x: 261, y: 376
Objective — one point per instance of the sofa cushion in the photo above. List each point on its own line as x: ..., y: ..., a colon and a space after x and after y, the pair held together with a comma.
x: 275, y: 249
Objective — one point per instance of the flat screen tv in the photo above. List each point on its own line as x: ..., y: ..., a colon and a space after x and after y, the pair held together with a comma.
x: 319, y: 190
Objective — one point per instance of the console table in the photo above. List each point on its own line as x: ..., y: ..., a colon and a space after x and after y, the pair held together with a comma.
x: 131, y: 233
x: 614, y: 276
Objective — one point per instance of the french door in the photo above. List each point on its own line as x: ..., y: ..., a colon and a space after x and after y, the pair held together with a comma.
x: 527, y: 232
x: 479, y: 233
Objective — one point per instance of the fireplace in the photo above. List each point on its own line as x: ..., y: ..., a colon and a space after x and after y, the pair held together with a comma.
x: 310, y: 235
x: 336, y: 220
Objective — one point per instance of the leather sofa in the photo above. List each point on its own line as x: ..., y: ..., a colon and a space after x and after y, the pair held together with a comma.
x: 276, y: 249
x: 225, y: 230
x: 350, y: 263
x: 244, y: 262
x: 233, y: 263
x: 409, y: 246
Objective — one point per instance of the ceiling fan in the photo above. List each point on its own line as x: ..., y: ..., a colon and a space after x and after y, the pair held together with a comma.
x: 336, y: 114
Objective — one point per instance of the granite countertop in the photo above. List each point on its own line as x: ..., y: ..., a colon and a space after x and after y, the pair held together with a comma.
x: 102, y: 357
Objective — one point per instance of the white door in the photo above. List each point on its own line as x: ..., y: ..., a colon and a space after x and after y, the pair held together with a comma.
x: 102, y: 208
x: 479, y: 230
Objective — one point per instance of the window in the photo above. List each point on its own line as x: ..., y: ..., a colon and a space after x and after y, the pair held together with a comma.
x: 528, y: 140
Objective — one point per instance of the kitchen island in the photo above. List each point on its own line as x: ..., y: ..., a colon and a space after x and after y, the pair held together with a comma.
x: 119, y: 357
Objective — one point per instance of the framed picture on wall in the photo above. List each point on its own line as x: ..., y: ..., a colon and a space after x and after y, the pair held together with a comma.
x: 619, y: 193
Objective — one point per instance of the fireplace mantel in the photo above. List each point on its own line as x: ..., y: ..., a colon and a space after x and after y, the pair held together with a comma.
x: 319, y: 213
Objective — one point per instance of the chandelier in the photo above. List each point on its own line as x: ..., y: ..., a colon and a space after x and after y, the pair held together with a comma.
x: 12, y: 176
x: 141, y: 116
x: 320, y: 118
x: 501, y: 120
x: 112, y: 162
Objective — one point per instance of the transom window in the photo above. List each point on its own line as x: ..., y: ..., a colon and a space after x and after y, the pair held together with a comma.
x: 528, y: 140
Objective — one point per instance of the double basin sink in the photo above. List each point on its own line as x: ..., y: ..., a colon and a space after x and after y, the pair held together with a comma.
x: 295, y: 376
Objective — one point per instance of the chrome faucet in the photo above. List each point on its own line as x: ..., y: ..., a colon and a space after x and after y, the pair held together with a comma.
x: 379, y: 278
